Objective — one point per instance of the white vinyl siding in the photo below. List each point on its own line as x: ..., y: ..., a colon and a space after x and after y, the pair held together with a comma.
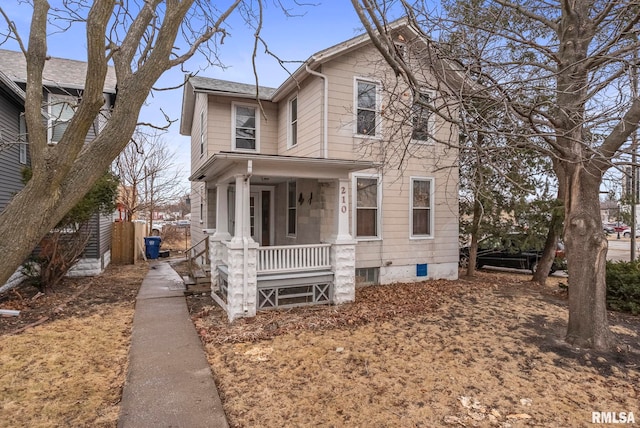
x: 368, y: 202
x: 246, y: 127
x: 421, y: 207
x: 367, y: 111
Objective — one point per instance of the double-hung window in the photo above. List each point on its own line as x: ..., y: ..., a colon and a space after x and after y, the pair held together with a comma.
x: 245, y: 127
x: 367, y: 108
x: 293, y: 122
x: 421, y: 119
x: 22, y: 140
x: 291, y: 208
x: 421, y: 208
x: 201, y: 132
x: 367, y: 207
x: 61, y: 109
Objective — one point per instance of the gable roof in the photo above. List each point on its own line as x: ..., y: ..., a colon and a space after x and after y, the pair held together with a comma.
x: 58, y: 72
x: 226, y: 87
x: 11, y: 88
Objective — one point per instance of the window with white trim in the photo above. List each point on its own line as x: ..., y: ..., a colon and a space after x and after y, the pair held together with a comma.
x: 367, y: 107
x: 245, y: 127
x: 61, y: 109
x: 291, y: 208
x: 421, y: 119
x: 367, y: 221
x: 421, y: 207
x: 22, y: 140
x: 202, y: 132
x: 293, y: 122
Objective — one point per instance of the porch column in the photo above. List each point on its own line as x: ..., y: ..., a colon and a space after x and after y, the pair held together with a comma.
x: 343, y: 250
x: 222, y: 212
x: 216, y: 250
x: 342, y: 214
x: 241, y: 259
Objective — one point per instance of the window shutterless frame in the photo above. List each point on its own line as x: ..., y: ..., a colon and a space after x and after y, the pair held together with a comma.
x: 245, y: 127
x: 367, y: 206
x: 367, y: 101
x: 421, y: 218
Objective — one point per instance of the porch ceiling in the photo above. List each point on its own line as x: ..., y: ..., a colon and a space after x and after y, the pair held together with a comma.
x: 224, y: 166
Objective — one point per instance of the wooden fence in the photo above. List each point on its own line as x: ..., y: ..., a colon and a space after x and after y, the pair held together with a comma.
x: 127, y: 242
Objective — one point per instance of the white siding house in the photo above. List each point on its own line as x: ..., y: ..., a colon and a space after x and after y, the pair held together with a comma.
x: 301, y: 190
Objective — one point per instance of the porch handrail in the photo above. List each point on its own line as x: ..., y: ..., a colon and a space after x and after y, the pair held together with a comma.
x: 288, y: 258
x: 190, y: 250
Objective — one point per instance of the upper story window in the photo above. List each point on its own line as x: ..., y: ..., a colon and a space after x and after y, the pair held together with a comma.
x: 368, y: 203
x: 367, y: 108
x: 421, y: 118
x: 293, y: 122
x: 292, y: 218
x: 421, y: 207
x: 245, y: 127
x: 61, y: 109
x: 202, y: 133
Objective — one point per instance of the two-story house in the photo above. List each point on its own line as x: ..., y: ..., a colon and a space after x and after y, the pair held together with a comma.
x: 63, y: 81
x: 336, y: 178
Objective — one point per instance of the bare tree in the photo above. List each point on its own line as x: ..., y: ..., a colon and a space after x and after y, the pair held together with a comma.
x: 560, y: 69
x: 148, y: 175
x: 141, y: 39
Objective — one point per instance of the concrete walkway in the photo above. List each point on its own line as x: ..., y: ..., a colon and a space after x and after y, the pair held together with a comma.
x: 169, y: 381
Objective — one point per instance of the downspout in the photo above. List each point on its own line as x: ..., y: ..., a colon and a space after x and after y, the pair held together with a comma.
x: 325, y: 118
x: 245, y: 239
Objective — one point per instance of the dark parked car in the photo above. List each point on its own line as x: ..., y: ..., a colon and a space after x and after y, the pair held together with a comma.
x: 509, y: 255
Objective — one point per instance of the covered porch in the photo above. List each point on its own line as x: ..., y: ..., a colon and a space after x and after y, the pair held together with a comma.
x: 280, y: 236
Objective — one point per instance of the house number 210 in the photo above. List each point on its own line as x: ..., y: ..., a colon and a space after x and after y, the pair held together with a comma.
x: 343, y: 199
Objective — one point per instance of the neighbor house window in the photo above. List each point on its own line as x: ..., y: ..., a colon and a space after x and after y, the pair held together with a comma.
x: 245, y: 127
x: 291, y: 208
x: 421, y: 117
x: 202, y: 132
x: 421, y: 207
x: 22, y: 140
x: 293, y: 122
x: 367, y: 108
x: 61, y: 110
x: 367, y: 207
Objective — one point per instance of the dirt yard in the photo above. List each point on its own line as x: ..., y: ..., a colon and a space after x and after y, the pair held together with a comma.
x: 487, y: 352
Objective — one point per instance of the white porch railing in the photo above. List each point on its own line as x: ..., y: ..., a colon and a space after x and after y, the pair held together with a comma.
x: 294, y: 258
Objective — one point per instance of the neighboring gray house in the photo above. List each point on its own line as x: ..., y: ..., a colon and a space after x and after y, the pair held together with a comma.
x: 63, y: 85
x: 14, y: 155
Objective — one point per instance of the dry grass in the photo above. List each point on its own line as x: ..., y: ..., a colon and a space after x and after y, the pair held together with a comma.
x: 482, y: 353
x: 70, y: 370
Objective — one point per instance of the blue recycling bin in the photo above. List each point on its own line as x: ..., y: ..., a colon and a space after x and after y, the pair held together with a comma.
x: 152, y: 246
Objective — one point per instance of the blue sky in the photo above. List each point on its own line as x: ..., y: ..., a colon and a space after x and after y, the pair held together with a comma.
x: 319, y: 25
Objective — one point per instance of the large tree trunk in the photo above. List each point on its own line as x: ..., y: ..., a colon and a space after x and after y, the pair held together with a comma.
x: 555, y: 233
x: 549, y: 252
x: 586, y: 247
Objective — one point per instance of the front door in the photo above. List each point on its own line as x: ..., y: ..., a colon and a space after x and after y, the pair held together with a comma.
x: 260, y: 216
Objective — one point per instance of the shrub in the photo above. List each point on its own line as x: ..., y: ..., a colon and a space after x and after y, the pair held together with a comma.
x: 623, y: 286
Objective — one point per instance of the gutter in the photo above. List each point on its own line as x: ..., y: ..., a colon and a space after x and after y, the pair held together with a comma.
x: 325, y: 118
